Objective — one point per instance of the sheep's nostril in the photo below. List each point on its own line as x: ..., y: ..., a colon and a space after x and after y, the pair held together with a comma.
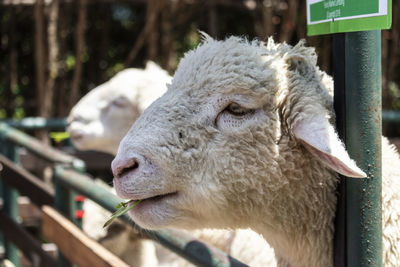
x: 131, y: 165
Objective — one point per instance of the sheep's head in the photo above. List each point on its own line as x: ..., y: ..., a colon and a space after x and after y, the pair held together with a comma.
x: 226, y: 137
x: 102, y: 117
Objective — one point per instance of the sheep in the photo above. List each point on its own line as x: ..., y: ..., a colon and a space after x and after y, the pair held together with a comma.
x: 98, y: 122
x: 113, y: 105
x: 244, y: 138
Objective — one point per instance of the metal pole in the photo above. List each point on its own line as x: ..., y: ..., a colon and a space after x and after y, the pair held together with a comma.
x: 62, y: 202
x: 36, y: 147
x: 34, y: 123
x: 340, y: 110
x: 2, y: 249
x: 363, y: 141
x: 10, y: 202
x: 76, y: 202
x: 391, y: 116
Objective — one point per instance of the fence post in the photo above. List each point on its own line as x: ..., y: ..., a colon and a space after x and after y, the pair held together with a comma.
x: 340, y: 111
x: 2, y: 144
x: 2, y: 199
x: 65, y: 201
x: 62, y: 202
x: 363, y: 141
x: 76, y: 201
x: 10, y: 200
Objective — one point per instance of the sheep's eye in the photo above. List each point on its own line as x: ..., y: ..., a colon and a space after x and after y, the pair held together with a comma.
x: 237, y: 110
x: 120, y: 102
x: 233, y: 116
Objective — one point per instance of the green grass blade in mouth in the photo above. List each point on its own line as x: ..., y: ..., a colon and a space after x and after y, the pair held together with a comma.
x: 123, y: 208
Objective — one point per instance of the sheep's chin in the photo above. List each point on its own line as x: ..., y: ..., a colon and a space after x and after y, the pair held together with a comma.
x: 80, y: 136
x: 155, y: 213
x: 79, y: 142
x: 83, y: 142
x: 88, y: 141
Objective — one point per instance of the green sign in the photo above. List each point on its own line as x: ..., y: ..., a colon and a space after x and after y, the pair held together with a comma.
x: 332, y: 16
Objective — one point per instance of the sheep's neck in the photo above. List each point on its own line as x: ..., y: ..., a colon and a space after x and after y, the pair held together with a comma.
x: 297, y: 250
x: 301, y: 227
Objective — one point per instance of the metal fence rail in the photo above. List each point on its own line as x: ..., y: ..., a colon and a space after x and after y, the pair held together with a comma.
x: 34, y: 123
x: 68, y: 178
x: 47, y: 153
x: 391, y: 116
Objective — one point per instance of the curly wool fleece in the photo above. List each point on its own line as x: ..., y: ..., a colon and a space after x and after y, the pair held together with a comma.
x: 244, y: 138
x: 114, y: 106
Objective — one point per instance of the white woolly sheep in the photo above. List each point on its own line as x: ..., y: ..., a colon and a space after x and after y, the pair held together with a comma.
x: 98, y: 122
x: 98, y: 110
x: 244, y: 138
x: 95, y: 122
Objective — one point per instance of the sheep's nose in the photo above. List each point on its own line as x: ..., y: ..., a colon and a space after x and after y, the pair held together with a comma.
x: 71, y: 118
x: 121, y: 166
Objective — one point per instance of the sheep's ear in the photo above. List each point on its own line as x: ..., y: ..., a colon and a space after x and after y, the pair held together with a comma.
x: 299, y: 63
x: 319, y: 137
x: 301, y: 58
x: 204, y: 37
x: 151, y: 65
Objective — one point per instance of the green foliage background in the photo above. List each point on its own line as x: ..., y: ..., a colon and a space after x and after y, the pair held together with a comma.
x: 113, y: 27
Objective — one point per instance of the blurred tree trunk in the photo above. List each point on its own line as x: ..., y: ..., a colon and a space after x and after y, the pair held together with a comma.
x: 385, y: 39
x: 97, y: 64
x: 13, y: 63
x: 62, y: 86
x: 79, y: 50
x: 395, y: 43
x: 53, y: 65
x: 153, y: 12
x: 168, y: 36
x: 175, y: 17
x: 40, y: 61
x: 266, y: 27
x: 326, y: 53
x: 390, y: 58
x: 154, y: 8
x: 289, y: 21
x: 39, y: 56
x: 167, y: 39
x: 301, y: 23
x: 212, y: 19
x: 104, y: 44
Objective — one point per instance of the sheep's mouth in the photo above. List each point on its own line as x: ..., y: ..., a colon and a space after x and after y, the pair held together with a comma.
x: 77, y: 137
x: 158, y: 197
